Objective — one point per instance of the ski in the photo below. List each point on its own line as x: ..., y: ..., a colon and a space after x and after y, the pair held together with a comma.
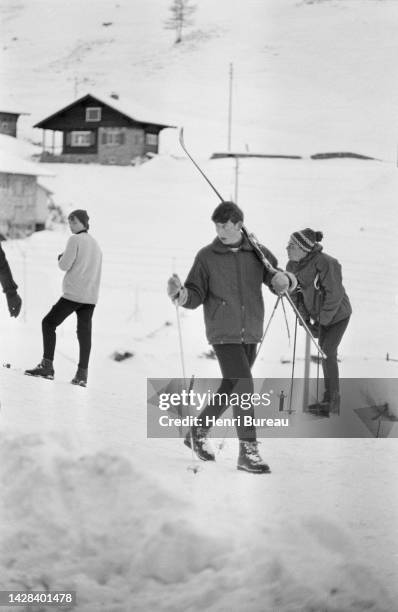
x: 250, y: 236
x: 255, y: 245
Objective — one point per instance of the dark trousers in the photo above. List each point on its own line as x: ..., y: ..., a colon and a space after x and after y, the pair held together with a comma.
x: 58, y: 313
x: 235, y: 362
x: 329, y: 339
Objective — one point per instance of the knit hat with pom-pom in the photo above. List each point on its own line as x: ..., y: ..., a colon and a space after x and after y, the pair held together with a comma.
x: 306, y: 238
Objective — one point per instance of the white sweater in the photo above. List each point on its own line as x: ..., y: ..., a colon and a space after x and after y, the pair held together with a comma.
x: 82, y: 262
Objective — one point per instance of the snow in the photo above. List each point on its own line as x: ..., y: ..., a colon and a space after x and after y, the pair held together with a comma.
x: 11, y: 164
x: 89, y: 502
x: 18, y: 148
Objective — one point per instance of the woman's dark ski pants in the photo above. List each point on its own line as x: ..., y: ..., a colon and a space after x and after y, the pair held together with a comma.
x: 235, y: 362
x: 329, y: 339
x: 58, y: 313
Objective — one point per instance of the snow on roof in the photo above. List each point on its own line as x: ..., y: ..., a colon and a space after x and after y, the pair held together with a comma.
x: 18, y: 147
x: 129, y: 110
x: 11, y: 164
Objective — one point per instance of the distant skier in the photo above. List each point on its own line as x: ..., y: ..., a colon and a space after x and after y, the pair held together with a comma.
x: 14, y: 302
x: 323, y: 302
x: 226, y: 278
x: 81, y: 260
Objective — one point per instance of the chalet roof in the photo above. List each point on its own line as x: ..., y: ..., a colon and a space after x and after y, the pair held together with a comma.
x: 11, y: 164
x: 110, y: 103
x: 8, y: 111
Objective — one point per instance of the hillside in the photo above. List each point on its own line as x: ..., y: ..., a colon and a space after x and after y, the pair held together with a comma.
x: 309, y: 76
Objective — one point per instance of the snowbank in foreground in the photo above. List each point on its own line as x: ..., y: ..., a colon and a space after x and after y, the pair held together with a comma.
x: 99, y: 525
x: 94, y: 524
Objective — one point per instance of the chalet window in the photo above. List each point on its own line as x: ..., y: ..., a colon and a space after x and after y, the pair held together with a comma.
x: 151, y: 139
x: 93, y: 113
x: 113, y: 137
x: 4, y: 125
x: 81, y: 139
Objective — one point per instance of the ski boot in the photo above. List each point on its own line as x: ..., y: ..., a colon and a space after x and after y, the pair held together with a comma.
x: 250, y: 460
x: 320, y: 408
x: 44, y: 369
x: 80, y: 378
x: 201, y: 444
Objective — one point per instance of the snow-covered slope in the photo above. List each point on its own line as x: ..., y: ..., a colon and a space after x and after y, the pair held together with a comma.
x: 88, y: 502
x: 308, y: 75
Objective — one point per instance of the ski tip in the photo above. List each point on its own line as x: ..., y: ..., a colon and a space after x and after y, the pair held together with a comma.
x: 181, y: 135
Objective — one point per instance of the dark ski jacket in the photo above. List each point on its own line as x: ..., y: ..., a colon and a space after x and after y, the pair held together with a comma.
x: 6, y: 280
x: 329, y: 303
x: 228, y: 284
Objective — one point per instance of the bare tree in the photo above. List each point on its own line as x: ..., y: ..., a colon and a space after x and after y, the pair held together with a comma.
x: 181, y: 11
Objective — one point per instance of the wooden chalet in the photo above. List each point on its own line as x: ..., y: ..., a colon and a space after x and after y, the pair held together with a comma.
x: 8, y: 122
x: 91, y: 130
x: 23, y: 201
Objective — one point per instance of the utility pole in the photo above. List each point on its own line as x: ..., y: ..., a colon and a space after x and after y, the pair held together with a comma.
x: 236, y: 178
x: 231, y: 75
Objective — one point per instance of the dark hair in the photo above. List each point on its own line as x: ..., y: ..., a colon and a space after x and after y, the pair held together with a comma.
x: 318, y: 236
x: 81, y: 215
x: 227, y: 211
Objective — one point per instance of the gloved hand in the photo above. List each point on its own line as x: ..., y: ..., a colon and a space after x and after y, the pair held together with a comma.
x: 283, y: 281
x: 174, y: 286
x: 176, y: 291
x: 14, y: 303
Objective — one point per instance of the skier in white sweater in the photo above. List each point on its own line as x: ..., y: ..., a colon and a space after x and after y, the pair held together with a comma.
x: 81, y: 261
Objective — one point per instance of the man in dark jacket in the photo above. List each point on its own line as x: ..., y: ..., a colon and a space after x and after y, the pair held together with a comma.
x: 227, y: 278
x: 9, y: 286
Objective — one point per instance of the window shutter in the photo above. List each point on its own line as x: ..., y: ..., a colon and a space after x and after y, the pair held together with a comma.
x: 103, y: 138
x: 122, y: 138
x: 68, y: 139
x: 92, y: 138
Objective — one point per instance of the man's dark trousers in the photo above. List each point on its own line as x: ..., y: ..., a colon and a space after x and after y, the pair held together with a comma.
x: 235, y: 362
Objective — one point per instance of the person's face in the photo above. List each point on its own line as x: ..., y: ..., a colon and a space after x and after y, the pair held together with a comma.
x: 294, y: 252
x: 229, y: 233
x: 75, y: 225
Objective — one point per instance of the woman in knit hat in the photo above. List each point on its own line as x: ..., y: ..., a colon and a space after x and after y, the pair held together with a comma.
x: 323, y: 302
x: 81, y: 261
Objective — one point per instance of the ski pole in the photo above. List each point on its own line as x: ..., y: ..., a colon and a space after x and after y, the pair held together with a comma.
x: 194, y: 467
x: 180, y: 343
x: 293, y: 364
x: 266, y: 329
x: 287, y: 324
x: 304, y: 324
